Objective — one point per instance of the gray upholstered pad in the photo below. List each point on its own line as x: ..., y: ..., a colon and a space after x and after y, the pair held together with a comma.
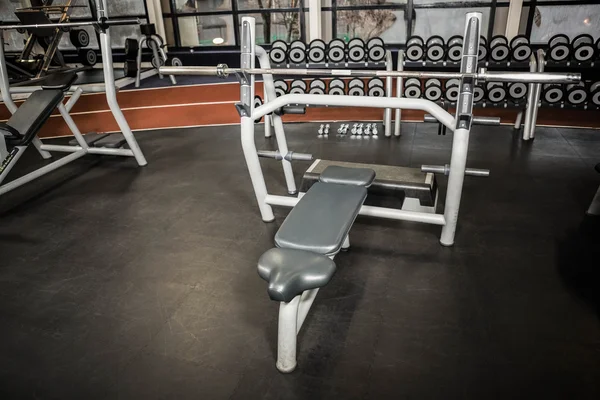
x: 322, y: 218
x: 348, y: 176
x: 290, y: 272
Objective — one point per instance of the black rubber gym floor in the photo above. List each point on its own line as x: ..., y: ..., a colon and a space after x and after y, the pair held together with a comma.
x: 125, y: 283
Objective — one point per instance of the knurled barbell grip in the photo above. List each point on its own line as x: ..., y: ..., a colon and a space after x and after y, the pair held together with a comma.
x: 445, y: 169
x: 476, y: 120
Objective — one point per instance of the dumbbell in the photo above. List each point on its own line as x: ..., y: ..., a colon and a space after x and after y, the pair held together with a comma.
x: 583, y: 48
x: 454, y: 52
x: 278, y: 53
x: 316, y: 51
x: 452, y: 89
x: 517, y: 90
x: 496, y: 92
x: 356, y: 50
x: 336, y: 51
x: 298, y: 86
x: 559, y: 49
x: 375, y: 87
x: 433, y: 89
x: 356, y: 87
x: 281, y: 87
x: 297, y: 52
x: 317, y: 86
x: 483, y: 49
x: 478, y: 94
x: 412, y: 88
x: 499, y: 50
x: 576, y: 93
x: 553, y: 93
x: 375, y: 49
x: 415, y: 48
x: 435, y: 49
x: 337, y: 87
x: 595, y: 93
x: 520, y: 49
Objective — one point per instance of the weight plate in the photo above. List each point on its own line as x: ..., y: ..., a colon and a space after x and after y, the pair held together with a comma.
x: 573, y: 85
x: 498, y: 39
x: 298, y: 44
x: 582, y: 39
x: 415, y: 52
x: 279, y: 92
x: 455, y: 52
x: 318, y: 43
x: 130, y: 68
x: 376, y: 53
x: 435, y: 52
x: 594, y: 86
x: 490, y: 85
x: 356, y: 42
x: 517, y: 90
x: 336, y: 91
x: 336, y: 54
x: 297, y: 55
x: 497, y: 94
x: 576, y: 96
x: 376, y: 91
x: 452, y: 82
x: 584, y: 52
x: 316, y: 54
x: 521, y: 52
x: 451, y: 93
x: 415, y: 40
x: 356, y: 82
x: 483, y: 52
x: 376, y: 41
x: 483, y: 39
x: 478, y: 94
x: 337, y: 43
x: 131, y: 48
x: 412, y: 92
x: 598, y: 45
x: 456, y: 39
x: 596, y: 97
x: 412, y: 82
x: 433, y: 82
x: 297, y: 90
x: 375, y: 82
x: 88, y: 57
x: 257, y: 103
x: 298, y: 83
x: 316, y: 90
x: 317, y: 83
x: 435, y: 40
x: 337, y: 82
x: 558, y: 38
x: 553, y: 94
x: 519, y: 39
x: 499, y: 52
x: 280, y: 83
x: 175, y: 62
x: 277, y: 55
x: 356, y: 91
x: 356, y: 54
x: 433, y: 93
x: 559, y: 52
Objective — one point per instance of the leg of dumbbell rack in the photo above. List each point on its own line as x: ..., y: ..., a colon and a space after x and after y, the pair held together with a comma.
x: 518, y: 120
x: 387, y: 115
x: 530, y: 100
x: 399, y: 90
x: 138, y: 76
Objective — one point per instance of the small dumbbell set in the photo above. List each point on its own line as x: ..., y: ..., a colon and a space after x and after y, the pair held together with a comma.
x: 335, y: 52
x: 357, y: 130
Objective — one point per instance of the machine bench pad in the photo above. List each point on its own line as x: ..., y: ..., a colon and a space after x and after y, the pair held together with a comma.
x: 348, y: 176
x: 322, y: 219
x: 290, y: 272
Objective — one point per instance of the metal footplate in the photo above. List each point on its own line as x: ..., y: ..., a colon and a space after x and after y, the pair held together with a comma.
x: 106, y: 140
x: 403, y: 188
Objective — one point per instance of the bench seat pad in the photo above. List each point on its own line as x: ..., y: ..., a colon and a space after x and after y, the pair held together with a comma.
x: 348, y: 176
x: 322, y: 218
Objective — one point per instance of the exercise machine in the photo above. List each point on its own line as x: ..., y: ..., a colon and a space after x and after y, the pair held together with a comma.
x: 318, y: 226
x: 21, y: 130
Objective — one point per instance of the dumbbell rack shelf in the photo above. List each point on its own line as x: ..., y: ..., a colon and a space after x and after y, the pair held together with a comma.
x: 445, y: 65
x: 486, y: 104
x: 567, y: 106
x: 348, y: 65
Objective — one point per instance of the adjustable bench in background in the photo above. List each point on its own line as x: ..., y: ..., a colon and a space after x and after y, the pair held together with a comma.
x: 307, y: 241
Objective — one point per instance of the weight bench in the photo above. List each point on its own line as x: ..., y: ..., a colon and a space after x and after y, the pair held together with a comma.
x: 312, y: 234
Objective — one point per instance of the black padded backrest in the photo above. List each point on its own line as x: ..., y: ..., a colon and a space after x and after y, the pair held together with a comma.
x: 60, y: 81
x: 32, y: 114
x: 36, y: 17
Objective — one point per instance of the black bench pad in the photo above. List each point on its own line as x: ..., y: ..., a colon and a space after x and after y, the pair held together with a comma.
x: 290, y: 272
x: 322, y: 218
x: 33, y: 113
x: 59, y: 80
x: 348, y: 176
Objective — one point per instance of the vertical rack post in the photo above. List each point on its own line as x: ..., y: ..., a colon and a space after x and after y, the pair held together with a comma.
x: 399, y: 92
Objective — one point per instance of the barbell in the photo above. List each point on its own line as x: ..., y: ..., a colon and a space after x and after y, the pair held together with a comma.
x: 132, y: 21
x: 223, y: 71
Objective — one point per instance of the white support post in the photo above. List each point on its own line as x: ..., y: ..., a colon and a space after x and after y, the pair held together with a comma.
x: 155, y: 14
x: 314, y: 18
x: 531, y: 101
x: 514, y: 18
x: 387, y: 114
x: 538, y: 92
x: 399, y: 93
x: 518, y: 120
x: 306, y: 301
x: 287, y: 333
x: 72, y: 126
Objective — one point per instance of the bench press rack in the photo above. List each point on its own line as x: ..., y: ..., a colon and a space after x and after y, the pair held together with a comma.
x: 84, y: 144
x: 317, y: 228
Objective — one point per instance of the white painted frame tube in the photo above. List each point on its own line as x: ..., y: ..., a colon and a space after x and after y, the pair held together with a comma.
x: 399, y: 93
x: 269, y: 91
x: 12, y: 163
x: 594, y: 208
x: 387, y: 114
x: 287, y: 335
x: 531, y: 103
x: 538, y: 92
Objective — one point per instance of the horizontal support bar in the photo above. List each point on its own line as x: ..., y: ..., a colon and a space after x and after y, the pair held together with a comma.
x: 222, y: 70
x: 133, y: 21
x: 370, y: 211
x: 290, y: 156
x: 445, y: 169
x: 476, y: 120
x: 91, y: 150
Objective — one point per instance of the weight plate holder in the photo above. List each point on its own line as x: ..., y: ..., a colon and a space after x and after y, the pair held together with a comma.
x: 553, y: 93
x: 316, y: 51
x: 278, y: 52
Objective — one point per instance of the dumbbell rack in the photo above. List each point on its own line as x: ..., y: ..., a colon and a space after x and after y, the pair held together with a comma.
x: 367, y: 65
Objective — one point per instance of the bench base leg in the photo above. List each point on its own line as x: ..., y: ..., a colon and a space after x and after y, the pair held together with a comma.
x: 287, y: 334
x: 346, y: 244
x: 594, y: 208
